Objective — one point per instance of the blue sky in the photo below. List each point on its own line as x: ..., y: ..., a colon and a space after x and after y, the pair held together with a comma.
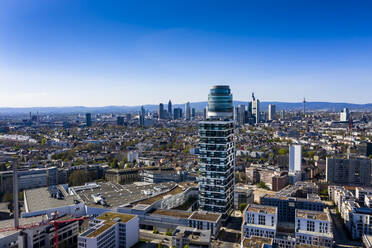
x: 95, y: 53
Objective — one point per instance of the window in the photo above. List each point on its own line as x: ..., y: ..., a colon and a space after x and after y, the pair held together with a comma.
x: 310, y: 226
x: 261, y: 220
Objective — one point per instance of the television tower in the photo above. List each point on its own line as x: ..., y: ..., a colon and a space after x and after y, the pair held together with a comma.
x: 304, y: 106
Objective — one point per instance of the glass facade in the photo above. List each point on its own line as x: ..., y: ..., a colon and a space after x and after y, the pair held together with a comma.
x: 220, y: 101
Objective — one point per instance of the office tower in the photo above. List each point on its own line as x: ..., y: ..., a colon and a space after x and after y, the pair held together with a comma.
x: 187, y: 111
x: 352, y: 171
x: 241, y: 114
x: 205, y: 111
x: 170, y: 113
x: 161, y: 111
x: 282, y: 114
x: 236, y: 114
x: 295, y: 157
x: 177, y: 113
x: 345, y: 115
x: 88, y: 119
x: 217, y: 153
x: 272, y: 112
x: 256, y: 109
x: 193, y: 113
x: 120, y: 121
x: 128, y: 117
x: 142, y: 116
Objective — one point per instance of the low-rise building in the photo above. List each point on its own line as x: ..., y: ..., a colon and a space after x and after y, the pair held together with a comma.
x: 191, y: 237
x: 111, y: 230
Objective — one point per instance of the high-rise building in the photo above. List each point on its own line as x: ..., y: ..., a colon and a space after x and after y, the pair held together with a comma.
x: 256, y: 109
x: 88, y: 119
x: 170, y: 113
x: 272, y: 112
x: 187, y: 111
x: 241, y: 114
x: 217, y: 154
x: 205, y: 111
x: 352, y: 171
x: 345, y: 115
x: 295, y: 158
x: 282, y: 114
x: 177, y: 113
x: 193, y: 113
x: 142, y: 116
x: 128, y: 117
x: 236, y: 114
x: 161, y: 111
x: 120, y: 121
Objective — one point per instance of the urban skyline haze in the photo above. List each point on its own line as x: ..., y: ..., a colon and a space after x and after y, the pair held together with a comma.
x: 70, y: 53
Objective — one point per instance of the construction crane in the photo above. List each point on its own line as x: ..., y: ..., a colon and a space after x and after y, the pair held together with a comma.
x: 53, y: 222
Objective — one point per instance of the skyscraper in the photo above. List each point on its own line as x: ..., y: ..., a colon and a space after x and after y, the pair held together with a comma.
x: 88, y: 119
x: 161, y: 111
x: 193, y: 113
x: 205, y: 111
x: 256, y: 109
x: 177, y: 113
x: 142, y: 116
x: 295, y: 158
x: 272, y: 112
x: 170, y: 113
x: 282, y: 114
x: 217, y: 153
x: 241, y: 114
x: 187, y: 111
x: 120, y: 121
x: 345, y: 115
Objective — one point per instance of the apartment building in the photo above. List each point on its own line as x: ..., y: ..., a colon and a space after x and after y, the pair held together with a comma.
x: 259, y: 221
x: 314, y: 228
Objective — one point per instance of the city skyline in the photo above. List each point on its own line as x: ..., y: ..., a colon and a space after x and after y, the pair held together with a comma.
x: 71, y: 54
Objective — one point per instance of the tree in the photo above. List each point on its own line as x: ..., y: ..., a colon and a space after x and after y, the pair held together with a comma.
x: 324, y: 192
x: 370, y: 156
x: 242, y: 206
x: 262, y: 185
x: 114, y: 163
x: 155, y: 231
x: 283, y: 151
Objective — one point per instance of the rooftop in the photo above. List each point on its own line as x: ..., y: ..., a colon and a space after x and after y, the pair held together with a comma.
x: 315, y: 215
x: 205, y: 216
x: 111, y: 216
x: 110, y: 219
x: 40, y: 199
x: 116, y: 195
x: 172, y: 213
x: 261, y: 209
x: 156, y: 198
x: 5, y: 224
x: 256, y: 242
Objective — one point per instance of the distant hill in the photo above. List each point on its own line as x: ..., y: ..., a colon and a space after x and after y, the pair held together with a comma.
x: 326, y: 106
